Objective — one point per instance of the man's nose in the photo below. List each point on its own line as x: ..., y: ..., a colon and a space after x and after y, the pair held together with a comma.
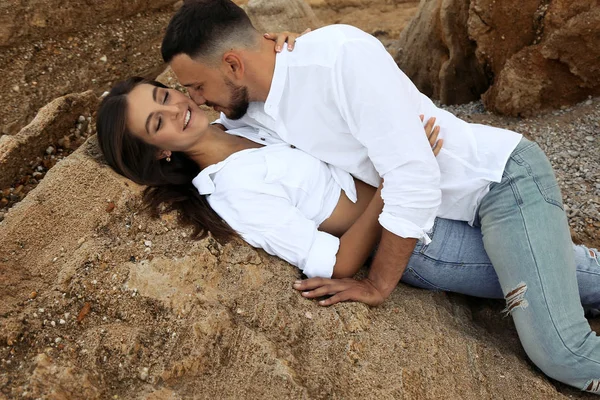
x: 197, y: 97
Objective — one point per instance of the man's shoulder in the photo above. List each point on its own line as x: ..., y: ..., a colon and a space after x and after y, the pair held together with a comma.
x: 322, y: 45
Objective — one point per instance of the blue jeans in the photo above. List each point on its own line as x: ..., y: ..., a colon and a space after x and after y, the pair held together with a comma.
x: 456, y: 261
x: 525, y: 234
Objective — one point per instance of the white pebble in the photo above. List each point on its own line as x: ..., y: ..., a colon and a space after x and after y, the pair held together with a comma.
x: 144, y: 373
x: 50, y: 150
x: 148, y: 243
x: 308, y: 315
x: 62, y: 321
x: 52, y: 323
x: 58, y: 340
x: 103, y: 59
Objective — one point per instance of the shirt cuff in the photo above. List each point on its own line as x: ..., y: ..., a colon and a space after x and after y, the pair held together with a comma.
x: 321, y: 258
x: 404, y: 228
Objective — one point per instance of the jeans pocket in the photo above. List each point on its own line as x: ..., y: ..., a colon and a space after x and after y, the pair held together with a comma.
x: 540, y: 170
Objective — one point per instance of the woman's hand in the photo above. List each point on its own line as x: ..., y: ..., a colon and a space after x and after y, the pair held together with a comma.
x: 432, y: 133
x: 280, y: 38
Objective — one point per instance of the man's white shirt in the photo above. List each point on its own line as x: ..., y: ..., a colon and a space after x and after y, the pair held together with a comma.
x: 340, y: 97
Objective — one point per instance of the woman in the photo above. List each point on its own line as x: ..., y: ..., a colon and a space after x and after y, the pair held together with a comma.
x: 279, y: 198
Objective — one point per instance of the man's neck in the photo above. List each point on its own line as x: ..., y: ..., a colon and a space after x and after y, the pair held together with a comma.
x: 260, y: 68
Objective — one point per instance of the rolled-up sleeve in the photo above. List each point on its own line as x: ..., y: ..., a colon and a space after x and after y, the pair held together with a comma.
x: 381, y: 107
x: 275, y: 225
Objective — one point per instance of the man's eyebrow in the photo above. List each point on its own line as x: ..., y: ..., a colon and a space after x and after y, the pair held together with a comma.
x: 154, y: 92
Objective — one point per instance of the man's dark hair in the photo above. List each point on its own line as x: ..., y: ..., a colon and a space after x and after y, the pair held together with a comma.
x: 205, y: 28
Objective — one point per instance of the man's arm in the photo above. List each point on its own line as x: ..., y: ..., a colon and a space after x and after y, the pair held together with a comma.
x: 357, y: 243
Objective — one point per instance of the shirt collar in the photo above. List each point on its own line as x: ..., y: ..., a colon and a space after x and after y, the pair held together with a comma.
x: 204, y: 181
x: 277, y: 84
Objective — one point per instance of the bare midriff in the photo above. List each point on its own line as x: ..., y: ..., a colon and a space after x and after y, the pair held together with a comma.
x: 346, y: 212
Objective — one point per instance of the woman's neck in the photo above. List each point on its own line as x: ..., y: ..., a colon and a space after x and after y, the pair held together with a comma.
x: 217, y: 145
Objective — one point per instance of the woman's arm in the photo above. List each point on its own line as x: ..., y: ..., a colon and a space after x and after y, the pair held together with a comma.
x: 357, y: 243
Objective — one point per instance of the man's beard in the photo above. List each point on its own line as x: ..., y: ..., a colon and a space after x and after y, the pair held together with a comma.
x: 239, y: 101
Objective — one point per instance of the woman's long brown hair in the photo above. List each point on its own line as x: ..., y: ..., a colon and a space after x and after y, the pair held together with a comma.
x: 168, y: 183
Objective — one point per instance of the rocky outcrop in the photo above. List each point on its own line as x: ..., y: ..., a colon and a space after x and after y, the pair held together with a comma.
x: 523, y: 56
x: 64, y: 116
x: 99, y: 299
x: 435, y: 51
x: 558, y: 69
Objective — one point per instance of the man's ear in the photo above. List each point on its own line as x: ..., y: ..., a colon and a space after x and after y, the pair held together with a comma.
x: 234, y: 65
x: 163, y: 154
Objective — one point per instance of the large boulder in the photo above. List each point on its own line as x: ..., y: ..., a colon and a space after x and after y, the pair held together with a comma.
x: 98, y: 300
x: 435, y: 51
x: 523, y: 56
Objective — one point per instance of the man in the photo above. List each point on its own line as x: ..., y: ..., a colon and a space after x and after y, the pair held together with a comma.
x: 340, y: 97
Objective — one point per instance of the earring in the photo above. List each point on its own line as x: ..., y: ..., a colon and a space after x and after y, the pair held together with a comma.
x: 168, y: 159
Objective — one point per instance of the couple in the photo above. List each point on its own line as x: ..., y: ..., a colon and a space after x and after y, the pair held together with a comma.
x: 341, y: 98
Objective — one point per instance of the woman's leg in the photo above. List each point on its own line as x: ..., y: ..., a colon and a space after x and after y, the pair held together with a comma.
x: 456, y: 261
x: 527, y: 238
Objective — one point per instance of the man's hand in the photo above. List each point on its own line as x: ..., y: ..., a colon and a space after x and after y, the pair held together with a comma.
x: 281, y: 38
x: 346, y: 289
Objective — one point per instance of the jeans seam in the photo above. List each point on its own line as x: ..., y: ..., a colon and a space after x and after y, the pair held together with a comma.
x: 544, y: 294
x: 425, y: 281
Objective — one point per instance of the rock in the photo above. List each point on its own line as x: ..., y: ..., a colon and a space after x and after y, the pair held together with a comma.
x: 60, y: 381
x: 526, y: 56
x: 103, y: 59
x: 437, y: 38
x: 419, y: 344
x: 50, y: 124
x: 281, y: 15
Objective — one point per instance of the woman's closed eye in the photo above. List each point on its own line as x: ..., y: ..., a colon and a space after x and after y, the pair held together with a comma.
x: 166, y: 97
x: 158, y: 124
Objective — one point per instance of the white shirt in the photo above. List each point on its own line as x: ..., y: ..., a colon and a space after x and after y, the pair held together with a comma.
x: 276, y: 197
x: 340, y: 97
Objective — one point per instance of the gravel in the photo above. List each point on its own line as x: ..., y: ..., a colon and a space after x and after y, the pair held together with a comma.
x: 570, y: 139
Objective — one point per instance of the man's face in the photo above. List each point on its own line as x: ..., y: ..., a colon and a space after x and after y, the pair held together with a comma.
x: 209, y: 85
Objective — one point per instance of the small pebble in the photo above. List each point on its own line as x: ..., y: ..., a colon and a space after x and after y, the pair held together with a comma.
x: 50, y: 150
x: 103, y: 59
x: 144, y: 373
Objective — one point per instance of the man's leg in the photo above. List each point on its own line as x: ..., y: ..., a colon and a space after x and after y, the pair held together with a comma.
x: 456, y: 261
x: 527, y: 238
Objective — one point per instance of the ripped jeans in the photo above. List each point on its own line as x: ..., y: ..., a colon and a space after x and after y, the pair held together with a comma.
x: 525, y: 234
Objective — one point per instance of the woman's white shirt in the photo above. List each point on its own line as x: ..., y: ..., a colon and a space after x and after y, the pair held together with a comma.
x: 276, y: 197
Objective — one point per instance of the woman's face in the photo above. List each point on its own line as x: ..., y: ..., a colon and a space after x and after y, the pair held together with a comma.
x: 165, y: 118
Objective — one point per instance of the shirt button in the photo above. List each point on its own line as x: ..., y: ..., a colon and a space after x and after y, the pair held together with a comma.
x: 263, y: 139
x: 292, y: 146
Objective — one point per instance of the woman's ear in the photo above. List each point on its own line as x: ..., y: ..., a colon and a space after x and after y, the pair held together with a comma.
x: 163, y: 154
